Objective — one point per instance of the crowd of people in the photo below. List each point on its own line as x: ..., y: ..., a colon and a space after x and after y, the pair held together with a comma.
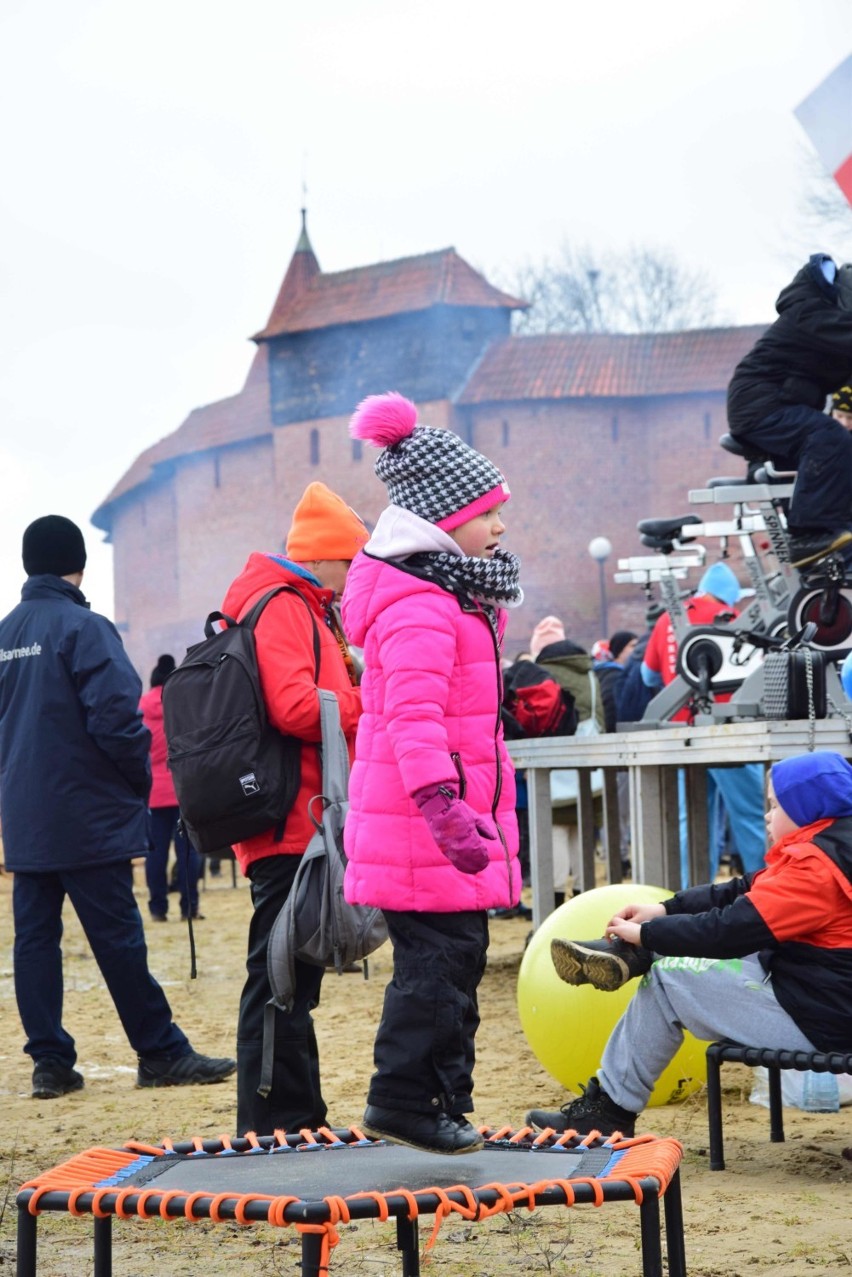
x: 432, y: 837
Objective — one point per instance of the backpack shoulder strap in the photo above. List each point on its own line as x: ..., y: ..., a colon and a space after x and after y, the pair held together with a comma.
x: 210, y: 630
x: 334, y: 751
x: 251, y: 620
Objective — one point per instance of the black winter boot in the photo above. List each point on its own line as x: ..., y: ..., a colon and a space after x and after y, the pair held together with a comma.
x: 606, y: 964
x: 428, y: 1132
x: 594, y: 1111
x: 52, y: 1079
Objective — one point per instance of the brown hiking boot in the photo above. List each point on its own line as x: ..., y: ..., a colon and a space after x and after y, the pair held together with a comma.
x: 606, y: 964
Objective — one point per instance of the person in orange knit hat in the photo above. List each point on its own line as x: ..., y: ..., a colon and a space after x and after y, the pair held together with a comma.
x: 324, y: 537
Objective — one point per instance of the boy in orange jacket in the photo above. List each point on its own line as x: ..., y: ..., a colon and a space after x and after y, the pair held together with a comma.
x: 763, y: 960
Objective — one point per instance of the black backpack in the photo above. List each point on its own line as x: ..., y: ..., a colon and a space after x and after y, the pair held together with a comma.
x: 235, y: 775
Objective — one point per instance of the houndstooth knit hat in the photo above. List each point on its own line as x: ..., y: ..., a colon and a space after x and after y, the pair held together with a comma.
x: 431, y: 472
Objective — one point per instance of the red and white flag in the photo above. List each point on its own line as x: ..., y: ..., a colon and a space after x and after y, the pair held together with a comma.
x: 826, y: 117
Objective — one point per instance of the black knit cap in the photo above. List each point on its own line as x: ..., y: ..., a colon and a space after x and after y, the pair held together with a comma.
x: 53, y: 544
x: 841, y: 400
x: 619, y: 642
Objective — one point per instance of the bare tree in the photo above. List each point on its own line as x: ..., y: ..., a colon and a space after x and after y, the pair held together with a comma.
x: 826, y: 213
x: 643, y: 289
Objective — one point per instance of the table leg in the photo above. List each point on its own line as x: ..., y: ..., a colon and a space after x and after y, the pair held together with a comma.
x: 584, y: 878
x: 541, y: 843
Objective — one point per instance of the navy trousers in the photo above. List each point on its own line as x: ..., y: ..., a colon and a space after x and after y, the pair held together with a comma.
x: 103, y: 900
x: 295, y: 1100
x: 820, y: 449
x: 163, y: 822
x: 424, y: 1051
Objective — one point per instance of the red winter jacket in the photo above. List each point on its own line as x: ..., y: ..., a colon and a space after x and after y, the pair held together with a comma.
x: 661, y: 651
x: 285, y: 654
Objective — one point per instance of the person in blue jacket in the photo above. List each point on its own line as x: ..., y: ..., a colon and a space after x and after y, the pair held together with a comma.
x: 74, y: 782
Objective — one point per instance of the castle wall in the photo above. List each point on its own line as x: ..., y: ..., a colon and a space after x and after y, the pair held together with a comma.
x: 182, y: 538
x: 577, y: 469
x: 324, y: 373
x: 583, y: 468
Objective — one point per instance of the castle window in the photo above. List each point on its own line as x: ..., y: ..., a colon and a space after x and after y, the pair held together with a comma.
x: 217, y: 474
x: 707, y: 425
x: 614, y: 429
x: 357, y: 449
x: 315, y: 448
x: 505, y: 433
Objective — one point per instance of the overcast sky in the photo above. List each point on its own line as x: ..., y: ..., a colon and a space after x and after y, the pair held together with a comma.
x: 154, y: 155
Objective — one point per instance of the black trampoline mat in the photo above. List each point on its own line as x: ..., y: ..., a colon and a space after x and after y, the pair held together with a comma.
x: 329, y: 1170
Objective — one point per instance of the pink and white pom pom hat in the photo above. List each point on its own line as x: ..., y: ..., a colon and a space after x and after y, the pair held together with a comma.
x: 431, y: 472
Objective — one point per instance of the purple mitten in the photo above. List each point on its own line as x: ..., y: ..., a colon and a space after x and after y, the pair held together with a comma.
x: 456, y: 828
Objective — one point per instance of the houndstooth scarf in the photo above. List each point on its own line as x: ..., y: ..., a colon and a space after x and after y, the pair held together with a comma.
x: 494, y: 581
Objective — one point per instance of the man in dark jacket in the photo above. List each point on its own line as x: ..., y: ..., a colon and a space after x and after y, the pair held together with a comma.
x: 610, y: 673
x: 777, y: 397
x: 74, y: 782
x: 765, y: 959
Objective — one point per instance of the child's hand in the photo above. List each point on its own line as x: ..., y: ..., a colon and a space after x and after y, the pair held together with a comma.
x: 636, y: 913
x: 630, y: 932
x: 456, y: 828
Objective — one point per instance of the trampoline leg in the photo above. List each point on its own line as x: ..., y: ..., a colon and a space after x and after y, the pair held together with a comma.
x: 776, y: 1109
x: 714, y: 1111
x: 312, y: 1255
x: 652, y: 1251
x: 675, y: 1246
x: 103, y: 1246
x: 407, y: 1244
x: 27, y: 1239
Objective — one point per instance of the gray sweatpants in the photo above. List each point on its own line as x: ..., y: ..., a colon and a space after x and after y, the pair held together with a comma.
x: 712, y: 998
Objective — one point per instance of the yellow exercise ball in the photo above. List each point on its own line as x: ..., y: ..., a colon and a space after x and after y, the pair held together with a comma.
x: 568, y: 1026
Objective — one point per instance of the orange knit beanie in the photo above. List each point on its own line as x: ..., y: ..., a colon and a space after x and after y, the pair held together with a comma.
x: 324, y: 527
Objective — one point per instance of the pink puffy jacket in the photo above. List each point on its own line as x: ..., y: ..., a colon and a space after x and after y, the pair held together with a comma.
x: 162, y: 786
x: 431, y: 713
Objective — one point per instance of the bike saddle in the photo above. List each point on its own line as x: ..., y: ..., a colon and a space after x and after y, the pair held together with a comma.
x: 740, y: 449
x: 664, y: 529
x: 660, y: 544
x: 760, y: 467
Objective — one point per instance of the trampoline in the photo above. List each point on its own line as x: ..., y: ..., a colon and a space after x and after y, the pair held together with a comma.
x: 316, y: 1180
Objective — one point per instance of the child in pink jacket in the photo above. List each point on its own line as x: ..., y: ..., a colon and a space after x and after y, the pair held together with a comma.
x: 431, y: 835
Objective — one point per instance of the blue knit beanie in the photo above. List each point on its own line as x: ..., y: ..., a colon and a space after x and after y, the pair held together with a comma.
x: 720, y: 581
x: 846, y: 675
x: 813, y: 787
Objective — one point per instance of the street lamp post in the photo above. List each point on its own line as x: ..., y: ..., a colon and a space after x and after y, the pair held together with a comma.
x: 600, y: 548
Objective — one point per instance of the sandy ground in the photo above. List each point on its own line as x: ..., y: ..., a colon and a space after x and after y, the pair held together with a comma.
x: 780, y: 1209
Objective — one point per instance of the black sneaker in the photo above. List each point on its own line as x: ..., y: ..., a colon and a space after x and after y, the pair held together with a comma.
x: 606, y: 964
x: 594, y: 1111
x: 191, y: 1069
x: 52, y: 1079
x: 808, y: 549
x: 427, y: 1132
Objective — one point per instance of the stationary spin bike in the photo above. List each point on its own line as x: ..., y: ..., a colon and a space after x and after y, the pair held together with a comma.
x: 821, y: 594
x: 727, y: 656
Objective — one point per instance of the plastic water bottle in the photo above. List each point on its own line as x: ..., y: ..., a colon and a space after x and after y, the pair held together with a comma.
x: 820, y: 1092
